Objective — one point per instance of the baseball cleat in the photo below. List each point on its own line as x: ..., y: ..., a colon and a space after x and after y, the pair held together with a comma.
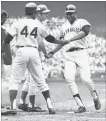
x: 81, y: 109
x: 97, y: 103
x: 23, y: 107
x: 9, y: 112
x: 36, y: 109
x: 52, y: 111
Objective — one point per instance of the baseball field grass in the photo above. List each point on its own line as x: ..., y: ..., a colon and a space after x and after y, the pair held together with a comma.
x: 63, y: 103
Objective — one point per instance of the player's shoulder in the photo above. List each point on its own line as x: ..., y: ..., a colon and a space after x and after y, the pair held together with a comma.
x: 39, y: 23
x: 82, y: 20
x: 20, y: 21
x: 15, y: 23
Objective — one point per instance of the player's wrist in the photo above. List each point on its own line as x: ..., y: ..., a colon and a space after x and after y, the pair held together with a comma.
x: 52, y: 52
x: 46, y: 56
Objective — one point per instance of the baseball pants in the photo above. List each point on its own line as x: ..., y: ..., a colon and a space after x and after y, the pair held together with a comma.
x: 27, y: 58
x: 30, y: 85
x: 78, y: 59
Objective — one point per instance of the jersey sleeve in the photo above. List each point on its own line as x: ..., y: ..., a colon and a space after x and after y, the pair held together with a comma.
x: 84, y: 23
x: 12, y: 30
x: 43, y: 32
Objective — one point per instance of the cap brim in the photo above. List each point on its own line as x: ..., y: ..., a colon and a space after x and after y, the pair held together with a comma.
x: 71, y: 11
x: 46, y: 11
x: 38, y: 9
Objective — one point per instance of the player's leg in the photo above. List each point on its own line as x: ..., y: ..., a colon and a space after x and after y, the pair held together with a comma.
x: 2, y: 78
x: 17, y: 72
x: 30, y: 88
x: 45, y: 90
x: 35, y: 68
x: 33, y: 90
x: 25, y: 90
x: 70, y: 72
x: 84, y: 70
x: 23, y: 97
x: 22, y: 103
x: 5, y: 73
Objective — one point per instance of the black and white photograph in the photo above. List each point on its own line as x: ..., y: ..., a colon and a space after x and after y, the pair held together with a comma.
x: 53, y: 60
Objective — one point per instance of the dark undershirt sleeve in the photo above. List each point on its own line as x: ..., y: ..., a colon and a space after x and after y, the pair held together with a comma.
x: 8, y: 38
x: 86, y: 29
x: 50, y: 39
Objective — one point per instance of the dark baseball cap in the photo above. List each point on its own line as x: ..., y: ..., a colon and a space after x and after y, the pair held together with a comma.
x: 70, y: 8
x: 30, y: 7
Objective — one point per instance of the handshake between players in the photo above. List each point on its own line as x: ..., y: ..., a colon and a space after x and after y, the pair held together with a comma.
x: 58, y: 47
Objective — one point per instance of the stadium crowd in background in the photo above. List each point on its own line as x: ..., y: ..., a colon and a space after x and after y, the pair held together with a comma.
x: 97, y: 49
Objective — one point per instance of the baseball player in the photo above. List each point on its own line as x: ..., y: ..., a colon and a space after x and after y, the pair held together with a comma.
x: 6, y: 57
x: 75, y: 30
x: 30, y: 88
x: 5, y: 49
x: 41, y: 16
x: 27, y: 56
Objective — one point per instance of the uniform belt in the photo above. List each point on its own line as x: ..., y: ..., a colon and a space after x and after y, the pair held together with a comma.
x: 26, y: 46
x: 74, y: 49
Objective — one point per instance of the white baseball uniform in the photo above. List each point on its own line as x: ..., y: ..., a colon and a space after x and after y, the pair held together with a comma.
x: 27, y: 32
x: 78, y: 58
x: 30, y: 85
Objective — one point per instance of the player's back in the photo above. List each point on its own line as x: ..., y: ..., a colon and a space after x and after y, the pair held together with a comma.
x: 26, y: 32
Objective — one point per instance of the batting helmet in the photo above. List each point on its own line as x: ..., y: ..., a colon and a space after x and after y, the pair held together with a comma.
x: 30, y: 8
x: 70, y: 8
x: 43, y: 8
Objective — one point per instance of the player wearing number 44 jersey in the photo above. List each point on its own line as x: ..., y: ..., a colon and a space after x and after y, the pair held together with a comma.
x: 75, y: 30
x: 27, y: 33
x: 30, y: 83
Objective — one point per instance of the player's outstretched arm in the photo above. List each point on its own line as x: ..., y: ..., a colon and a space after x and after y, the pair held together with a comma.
x: 42, y: 47
x: 52, y: 39
x: 55, y: 50
x: 83, y: 33
x: 49, y: 38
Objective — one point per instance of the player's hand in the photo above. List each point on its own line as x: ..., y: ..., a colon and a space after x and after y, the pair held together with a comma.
x: 66, y: 41
x: 48, y: 56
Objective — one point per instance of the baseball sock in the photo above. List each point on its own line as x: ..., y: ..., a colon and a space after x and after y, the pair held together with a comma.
x: 32, y: 100
x: 78, y: 100
x: 23, y: 97
x: 46, y: 95
x: 94, y: 94
x: 13, y: 94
